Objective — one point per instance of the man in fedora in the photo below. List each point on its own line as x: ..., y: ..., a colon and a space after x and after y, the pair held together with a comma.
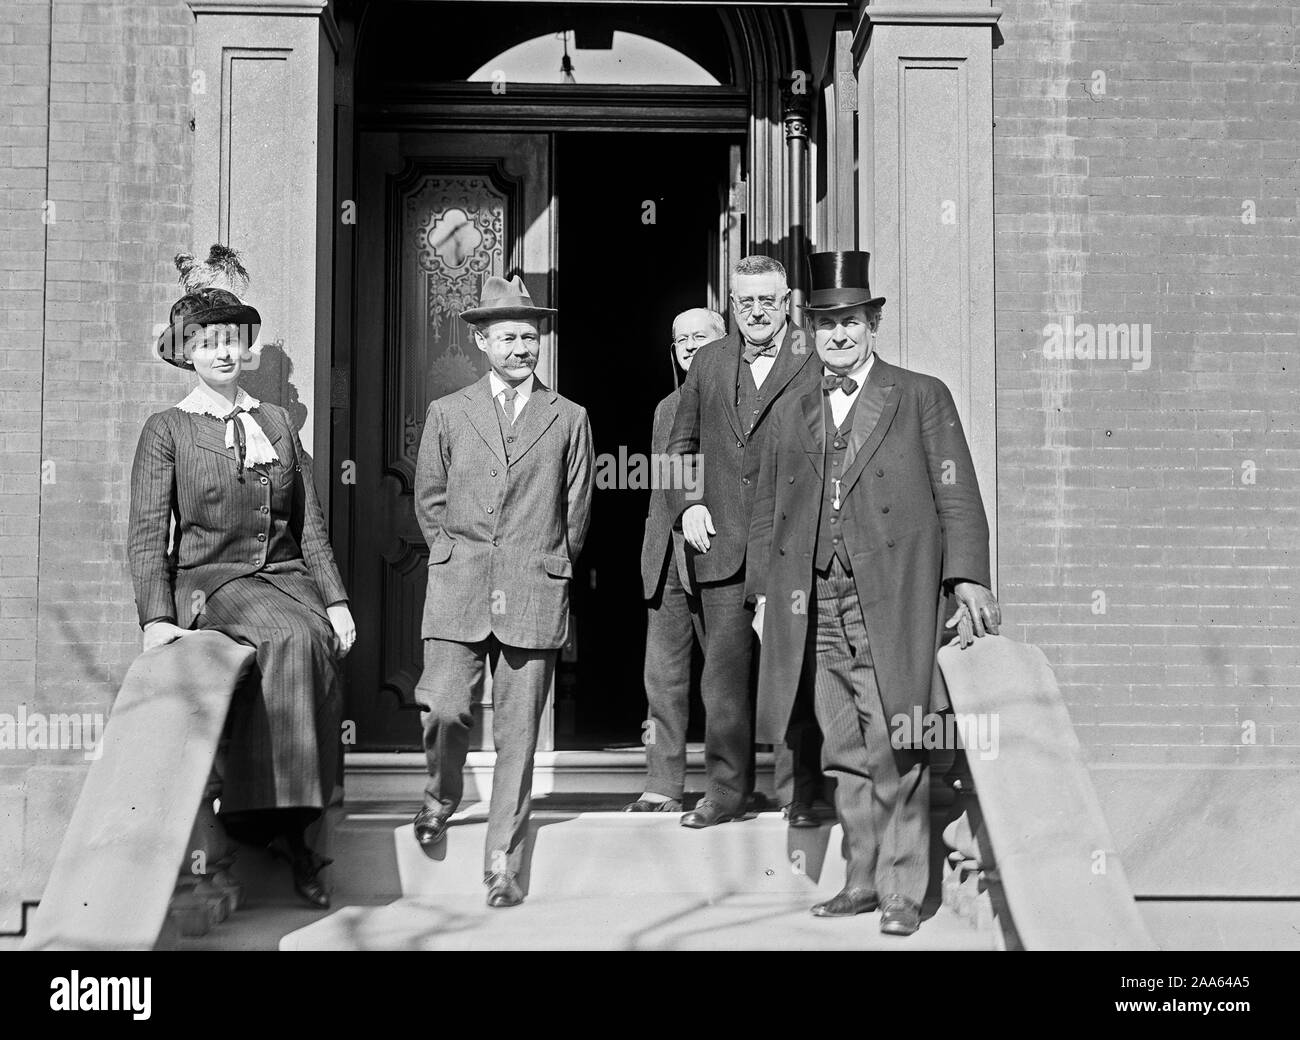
x: 722, y: 418
x: 867, y: 512
x: 503, y: 496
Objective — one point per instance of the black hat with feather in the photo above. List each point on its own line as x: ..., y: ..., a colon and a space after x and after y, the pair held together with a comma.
x: 211, y: 298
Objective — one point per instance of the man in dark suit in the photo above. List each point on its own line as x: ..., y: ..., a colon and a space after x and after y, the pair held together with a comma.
x: 721, y: 419
x: 503, y: 496
x: 867, y: 510
x: 673, y: 622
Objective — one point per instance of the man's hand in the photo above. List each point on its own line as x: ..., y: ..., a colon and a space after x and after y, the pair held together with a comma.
x: 344, y: 629
x: 160, y: 633
x: 757, y: 623
x: 697, y: 525
x: 979, y: 607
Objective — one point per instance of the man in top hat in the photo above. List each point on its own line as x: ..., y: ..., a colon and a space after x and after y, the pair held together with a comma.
x: 867, y: 512
x: 503, y: 495
x: 722, y: 418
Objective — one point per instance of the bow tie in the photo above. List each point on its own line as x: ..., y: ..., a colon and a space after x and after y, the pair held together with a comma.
x: 750, y: 352
x: 241, y: 439
x: 844, y: 383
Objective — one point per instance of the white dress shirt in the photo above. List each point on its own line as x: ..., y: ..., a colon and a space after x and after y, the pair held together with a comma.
x: 842, y: 402
x: 762, y: 364
x: 499, y: 386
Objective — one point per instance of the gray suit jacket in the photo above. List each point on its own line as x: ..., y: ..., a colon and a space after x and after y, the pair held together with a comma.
x: 502, y: 537
x: 660, y: 522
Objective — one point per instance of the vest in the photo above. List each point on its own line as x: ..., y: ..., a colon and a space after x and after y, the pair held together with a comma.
x: 830, y: 525
x: 509, y: 432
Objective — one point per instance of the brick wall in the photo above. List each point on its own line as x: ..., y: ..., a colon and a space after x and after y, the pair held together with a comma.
x: 1121, y: 200
x: 79, y: 296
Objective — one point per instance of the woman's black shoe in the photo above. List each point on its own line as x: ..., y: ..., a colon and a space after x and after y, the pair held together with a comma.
x: 306, y: 866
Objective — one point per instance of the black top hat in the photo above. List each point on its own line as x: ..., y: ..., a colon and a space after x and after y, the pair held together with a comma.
x: 839, y: 279
x: 201, y: 308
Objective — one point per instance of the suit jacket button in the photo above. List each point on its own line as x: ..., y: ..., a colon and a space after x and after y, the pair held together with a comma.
x: 489, y: 509
x: 792, y: 480
x: 880, y: 472
x: 261, y: 537
x: 890, y: 543
x: 494, y: 473
x: 262, y: 480
x: 496, y: 541
x: 740, y: 444
x: 781, y: 550
x: 744, y: 480
x: 884, y: 509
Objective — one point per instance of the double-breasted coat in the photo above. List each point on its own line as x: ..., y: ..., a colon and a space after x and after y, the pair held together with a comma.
x: 249, y: 557
x: 503, y: 533
x: 911, y: 517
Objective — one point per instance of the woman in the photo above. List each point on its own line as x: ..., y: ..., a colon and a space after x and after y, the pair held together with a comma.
x: 250, y: 558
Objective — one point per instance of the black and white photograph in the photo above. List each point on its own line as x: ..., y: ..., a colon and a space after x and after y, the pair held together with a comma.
x: 513, y: 475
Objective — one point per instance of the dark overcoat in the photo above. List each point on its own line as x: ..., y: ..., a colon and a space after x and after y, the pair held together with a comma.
x: 911, y: 517
x: 730, y: 450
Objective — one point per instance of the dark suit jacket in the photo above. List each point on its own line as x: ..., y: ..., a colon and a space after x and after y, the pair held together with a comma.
x: 912, y: 518
x: 271, y: 525
x: 660, y: 520
x: 707, y: 423
x: 502, y: 538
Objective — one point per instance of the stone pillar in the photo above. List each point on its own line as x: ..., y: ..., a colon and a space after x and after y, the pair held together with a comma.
x: 796, y: 115
x: 263, y: 85
x: 925, y: 201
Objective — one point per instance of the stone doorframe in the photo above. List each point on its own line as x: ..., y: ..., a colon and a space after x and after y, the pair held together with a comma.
x: 264, y: 162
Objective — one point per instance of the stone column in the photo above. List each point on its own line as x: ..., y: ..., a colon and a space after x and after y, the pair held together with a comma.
x: 925, y: 200
x: 263, y: 85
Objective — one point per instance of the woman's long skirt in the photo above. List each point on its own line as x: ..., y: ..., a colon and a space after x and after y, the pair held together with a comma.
x: 283, y: 730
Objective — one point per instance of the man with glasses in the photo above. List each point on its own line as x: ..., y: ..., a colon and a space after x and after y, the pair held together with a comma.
x: 674, y: 621
x: 730, y: 389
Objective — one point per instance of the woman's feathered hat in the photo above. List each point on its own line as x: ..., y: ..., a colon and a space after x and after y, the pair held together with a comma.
x: 212, y: 289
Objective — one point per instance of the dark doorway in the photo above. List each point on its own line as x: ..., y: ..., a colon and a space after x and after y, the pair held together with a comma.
x: 639, y: 215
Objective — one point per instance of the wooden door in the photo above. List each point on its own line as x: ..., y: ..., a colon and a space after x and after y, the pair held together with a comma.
x: 436, y: 214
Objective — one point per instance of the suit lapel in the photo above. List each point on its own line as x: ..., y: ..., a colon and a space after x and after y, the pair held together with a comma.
x: 787, y: 366
x: 731, y: 373
x: 537, y: 416
x: 877, y: 405
x: 481, y: 410
x: 812, y: 431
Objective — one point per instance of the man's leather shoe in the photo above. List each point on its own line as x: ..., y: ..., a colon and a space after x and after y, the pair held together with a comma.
x: 798, y: 815
x: 899, y: 916
x: 431, y: 824
x: 847, y: 903
x: 504, y: 890
x: 642, y: 805
x: 707, y: 814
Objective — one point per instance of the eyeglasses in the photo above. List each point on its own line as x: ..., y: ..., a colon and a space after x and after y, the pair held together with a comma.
x: 746, y: 304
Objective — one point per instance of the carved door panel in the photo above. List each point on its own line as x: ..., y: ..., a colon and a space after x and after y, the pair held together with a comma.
x: 436, y: 214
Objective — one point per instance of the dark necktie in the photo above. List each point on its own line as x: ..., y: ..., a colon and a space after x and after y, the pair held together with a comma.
x: 844, y: 383
x: 750, y: 352
x: 508, y: 396
x: 241, y: 439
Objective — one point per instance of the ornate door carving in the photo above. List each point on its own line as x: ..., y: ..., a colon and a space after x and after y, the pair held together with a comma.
x: 437, y: 214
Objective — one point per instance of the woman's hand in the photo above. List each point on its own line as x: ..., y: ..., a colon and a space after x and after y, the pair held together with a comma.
x: 160, y: 633
x: 345, y: 631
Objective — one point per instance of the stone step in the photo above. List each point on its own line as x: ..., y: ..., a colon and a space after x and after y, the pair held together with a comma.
x: 633, y: 921
x: 603, y: 880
